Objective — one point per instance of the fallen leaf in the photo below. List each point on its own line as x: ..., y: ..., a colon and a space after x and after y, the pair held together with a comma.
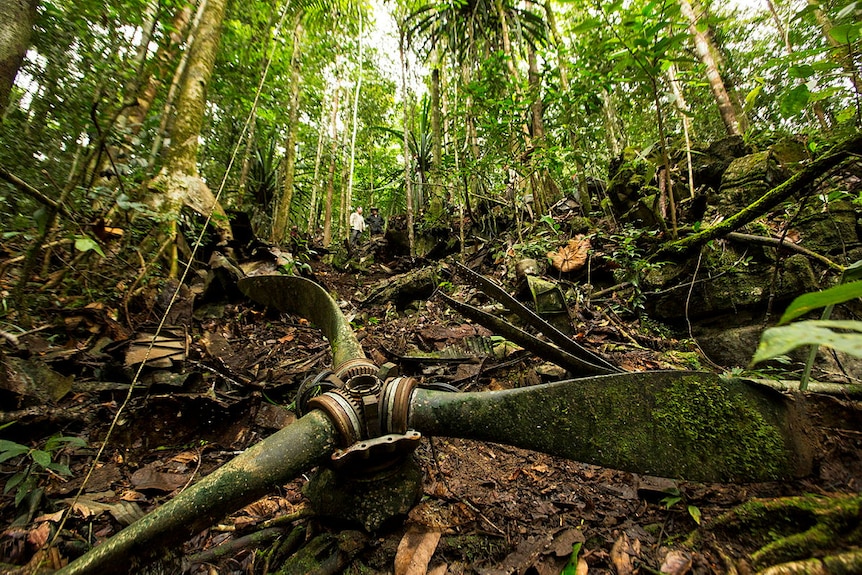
x: 563, y: 543
x: 676, y: 563
x: 39, y: 536
x: 622, y: 553
x: 415, y: 551
x: 572, y: 256
x: 148, y: 478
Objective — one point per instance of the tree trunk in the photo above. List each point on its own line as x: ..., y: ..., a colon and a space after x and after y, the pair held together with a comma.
x: 333, y: 158
x: 716, y: 84
x: 683, y: 109
x: 176, y: 83
x: 348, y: 191
x: 140, y: 92
x: 315, y: 184
x: 282, y: 210
x: 408, y: 187
x: 178, y: 182
x: 16, y: 25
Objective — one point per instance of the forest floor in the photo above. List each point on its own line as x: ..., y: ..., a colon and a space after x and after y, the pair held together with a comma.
x: 229, y: 368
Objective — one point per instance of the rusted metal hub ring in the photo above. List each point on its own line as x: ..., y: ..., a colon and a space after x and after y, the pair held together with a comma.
x: 357, y: 366
x: 395, y: 403
x: 342, y: 413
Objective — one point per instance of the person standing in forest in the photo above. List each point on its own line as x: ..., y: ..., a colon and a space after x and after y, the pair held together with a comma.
x: 357, y: 225
x: 375, y: 223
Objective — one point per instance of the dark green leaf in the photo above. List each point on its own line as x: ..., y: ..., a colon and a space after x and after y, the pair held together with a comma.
x: 845, y: 33
x: 811, y: 301
x: 42, y: 458
x: 795, y: 101
x: 777, y: 341
x: 14, y: 481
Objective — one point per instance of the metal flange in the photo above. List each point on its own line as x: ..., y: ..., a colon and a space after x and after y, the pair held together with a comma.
x: 370, y: 416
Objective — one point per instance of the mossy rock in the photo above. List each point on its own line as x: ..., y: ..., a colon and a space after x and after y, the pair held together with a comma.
x: 831, y: 231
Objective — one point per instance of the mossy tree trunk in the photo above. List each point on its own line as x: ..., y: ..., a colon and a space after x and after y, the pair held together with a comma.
x: 16, y: 24
x: 282, y: 209
x: 178, y: 183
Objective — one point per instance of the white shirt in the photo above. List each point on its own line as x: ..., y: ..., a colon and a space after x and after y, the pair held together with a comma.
x: 357, y: 222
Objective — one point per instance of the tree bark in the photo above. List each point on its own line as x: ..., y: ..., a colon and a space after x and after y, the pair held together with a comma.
x: 176, y: 82
x: 16, y: 25
x: 333, y: 159
x: 178, y: 182
x: 716, y: 84
x: 282, y: 210
x: 408, y: 187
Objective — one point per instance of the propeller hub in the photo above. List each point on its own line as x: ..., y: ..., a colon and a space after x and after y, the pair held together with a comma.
x: 370, y: 415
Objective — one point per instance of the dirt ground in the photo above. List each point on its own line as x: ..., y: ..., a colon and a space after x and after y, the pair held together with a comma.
x: 486, y: 508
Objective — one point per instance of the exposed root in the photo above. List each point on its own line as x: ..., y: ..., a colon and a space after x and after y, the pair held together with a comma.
x: 797, y: 534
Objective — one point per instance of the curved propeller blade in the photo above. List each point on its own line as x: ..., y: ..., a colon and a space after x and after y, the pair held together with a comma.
x: 688, y: 425
x: 274, y: 461
x: 294, y: 294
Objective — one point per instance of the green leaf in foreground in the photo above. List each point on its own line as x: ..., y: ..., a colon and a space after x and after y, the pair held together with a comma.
x: 571, y: 567
x: 86, y: 244
x: 811, y: 301
x: 780, y: 340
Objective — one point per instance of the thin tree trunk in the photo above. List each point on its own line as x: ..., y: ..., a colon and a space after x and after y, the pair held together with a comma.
x: 250, y: 140
x: 282, y: 211
x: 348, y: 195
x: 179, y: 182
x: 315, y: 185
x: 176, y: 82
x: 16, y: 25
x: 716, y: 84
x: 333, y: 158
x: 141, y: 90
x: 668, y: 187
x: 683, y: 109
x: 408, y: 187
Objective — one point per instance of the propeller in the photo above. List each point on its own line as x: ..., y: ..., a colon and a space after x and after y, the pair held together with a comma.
x: 690, y: 425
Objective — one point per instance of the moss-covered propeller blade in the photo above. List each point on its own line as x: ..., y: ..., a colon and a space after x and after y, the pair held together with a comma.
x: 274, y: 461
x: 294, y: 294
x: 689, y: 425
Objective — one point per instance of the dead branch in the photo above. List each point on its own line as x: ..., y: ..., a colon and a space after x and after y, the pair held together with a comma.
x: 34, y: 193
x: 781, y: 244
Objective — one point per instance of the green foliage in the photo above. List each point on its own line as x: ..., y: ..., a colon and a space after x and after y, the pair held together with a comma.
x: 675, y: 496
x: 811, y: 301
x: 571, y: 567
x: 34, y: 463
x: 841, y: 335
x: 779, y: 340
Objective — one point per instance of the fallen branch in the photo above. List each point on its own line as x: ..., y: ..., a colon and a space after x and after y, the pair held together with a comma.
x: 766, y: 202
x: 233, y: 546
x: 781, y: 244
x: 34, y: 193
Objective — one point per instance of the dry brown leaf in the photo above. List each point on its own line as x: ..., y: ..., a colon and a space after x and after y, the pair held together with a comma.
x: 39, y: 536
x: 582, y: 568
x: 572, y: 256
x: 622, y: 553
x: 676, y: 563
x: 415, y: 551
